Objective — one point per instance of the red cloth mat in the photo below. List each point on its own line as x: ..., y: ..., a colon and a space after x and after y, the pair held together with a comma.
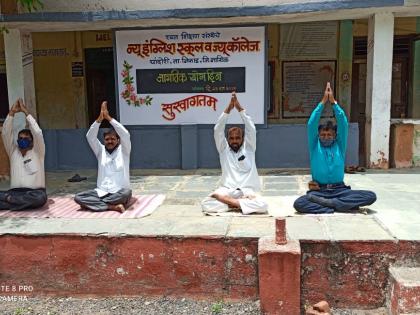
x: 65, y: 207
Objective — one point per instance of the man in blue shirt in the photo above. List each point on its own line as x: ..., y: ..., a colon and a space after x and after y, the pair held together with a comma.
x: 327, y: 152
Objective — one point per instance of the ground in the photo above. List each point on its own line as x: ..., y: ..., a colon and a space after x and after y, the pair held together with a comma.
x: 395, y: 216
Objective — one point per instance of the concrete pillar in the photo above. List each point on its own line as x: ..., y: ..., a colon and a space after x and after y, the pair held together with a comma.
x: 414, y: 108
x: 279, y: 276
x: 378, y: 89
x: 345, y: 65
x: 20, y: 71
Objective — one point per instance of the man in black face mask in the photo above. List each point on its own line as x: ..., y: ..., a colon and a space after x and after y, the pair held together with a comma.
x: 327, y: 152
x: 26, y: 155
x: 113, y: 185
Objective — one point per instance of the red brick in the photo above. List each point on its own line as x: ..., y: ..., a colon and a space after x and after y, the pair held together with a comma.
x: 281, y: 237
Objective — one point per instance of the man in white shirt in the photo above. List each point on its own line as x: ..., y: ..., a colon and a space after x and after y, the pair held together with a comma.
x: 26, y: 155
x: 113, y: 184
x: 240, y: 180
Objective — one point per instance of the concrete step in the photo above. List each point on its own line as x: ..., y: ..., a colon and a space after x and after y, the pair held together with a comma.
x: 404, y: 293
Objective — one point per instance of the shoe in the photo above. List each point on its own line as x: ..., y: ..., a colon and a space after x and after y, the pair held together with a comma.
x: 76, y: 178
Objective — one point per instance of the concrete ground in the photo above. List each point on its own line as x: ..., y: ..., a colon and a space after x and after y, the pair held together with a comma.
x: 395, y: 215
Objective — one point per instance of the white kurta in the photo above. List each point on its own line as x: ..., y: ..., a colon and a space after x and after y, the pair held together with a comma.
x: 114, y: 168
x: 25, y: 171
x: 239, y: 172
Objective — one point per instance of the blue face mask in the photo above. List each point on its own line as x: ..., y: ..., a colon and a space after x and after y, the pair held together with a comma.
x: 24, y: 143
x: 327, y: 142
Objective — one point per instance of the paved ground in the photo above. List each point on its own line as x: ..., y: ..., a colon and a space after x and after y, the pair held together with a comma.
x: 396, y: 214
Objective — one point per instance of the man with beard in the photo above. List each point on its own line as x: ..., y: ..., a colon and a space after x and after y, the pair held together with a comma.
x: 27, y: 175
x: 240, y: 180
x: 113, y: 184
x: 327, y: 152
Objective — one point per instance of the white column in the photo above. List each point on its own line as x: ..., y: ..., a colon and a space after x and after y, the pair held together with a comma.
x: 378, y: 89
x: 20, y: 69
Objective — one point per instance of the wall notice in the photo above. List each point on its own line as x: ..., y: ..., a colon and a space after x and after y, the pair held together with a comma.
x: 308, y: 41
x: 177, y: 76
x: 303, y: 86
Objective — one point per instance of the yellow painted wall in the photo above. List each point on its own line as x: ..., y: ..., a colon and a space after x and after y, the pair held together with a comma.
x: 402, y: 26
x: 53, y: 54
x: 61, y: 99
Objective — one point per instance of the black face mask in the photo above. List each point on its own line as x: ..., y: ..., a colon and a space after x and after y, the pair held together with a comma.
x: 111, y: 150
x: 327, y: 142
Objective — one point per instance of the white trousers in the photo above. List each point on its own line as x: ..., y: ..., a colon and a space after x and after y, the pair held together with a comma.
x: 249, y: 201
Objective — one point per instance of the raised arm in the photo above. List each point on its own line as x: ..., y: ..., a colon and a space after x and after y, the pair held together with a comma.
x: 7, y: 134
x: 342, y: 124
x: 7, y: 131
x: 315, y: 117
x: 38, y: 143
x: 313, y: 124
x: 219, y: 132
x: 250, y: 130
x: 124, y: 135
x: 92, y: 138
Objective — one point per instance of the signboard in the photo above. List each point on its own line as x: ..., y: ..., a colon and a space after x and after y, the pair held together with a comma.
x: 304, y: 85
x: 309, y: 41
x: 181, y: 76
x: 76, y: 69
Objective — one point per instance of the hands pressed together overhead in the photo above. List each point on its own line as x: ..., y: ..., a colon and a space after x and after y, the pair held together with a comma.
x: 328, y: 95
x: 104, y: 114
x: 234, y: 103
x: 17, y: 107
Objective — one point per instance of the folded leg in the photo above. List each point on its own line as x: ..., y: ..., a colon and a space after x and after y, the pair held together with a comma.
x: 253, y: 204
x: 122, y: 196
x: 304, y: 205
x: 89, y: 199
x: 25, y: 198
x: 353, y: 199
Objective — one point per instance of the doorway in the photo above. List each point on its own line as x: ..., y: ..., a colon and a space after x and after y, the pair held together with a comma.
x: 399, y: 88
x: 100, y: 81
x: 4, y: 97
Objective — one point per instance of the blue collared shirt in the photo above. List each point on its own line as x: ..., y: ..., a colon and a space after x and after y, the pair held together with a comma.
x: 327, y: 163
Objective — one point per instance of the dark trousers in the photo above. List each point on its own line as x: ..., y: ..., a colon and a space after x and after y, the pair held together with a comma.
x: 327, y: 200
x: 89, y: 199
x: 22, y: 199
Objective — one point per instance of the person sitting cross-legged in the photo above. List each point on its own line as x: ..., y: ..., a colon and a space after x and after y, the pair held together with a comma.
x: 26, y: 155
x: 240, y: 180
x: 327, y: 152
x: 113, y: 184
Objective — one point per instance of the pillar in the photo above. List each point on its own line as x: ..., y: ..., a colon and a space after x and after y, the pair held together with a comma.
x: 378, y: 89
x: 20, y: 71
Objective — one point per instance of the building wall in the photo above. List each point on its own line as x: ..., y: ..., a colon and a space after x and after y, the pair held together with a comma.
x: 402, y: 26
x: 170, y: 147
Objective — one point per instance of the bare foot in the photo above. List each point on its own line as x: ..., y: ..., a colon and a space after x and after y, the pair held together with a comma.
x: 119, y: 208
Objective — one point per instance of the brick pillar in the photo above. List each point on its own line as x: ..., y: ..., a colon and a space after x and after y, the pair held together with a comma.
x: 279, y: 276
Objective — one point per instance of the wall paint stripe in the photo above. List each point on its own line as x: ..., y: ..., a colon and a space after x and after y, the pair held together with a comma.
x: 94, y: 16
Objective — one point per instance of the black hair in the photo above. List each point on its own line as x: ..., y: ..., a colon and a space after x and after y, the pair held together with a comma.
x: 26, y: 132
x: 329, y: 125
x: 111, y: 131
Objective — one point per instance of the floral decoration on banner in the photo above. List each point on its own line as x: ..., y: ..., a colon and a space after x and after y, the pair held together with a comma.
x: 129, y: 94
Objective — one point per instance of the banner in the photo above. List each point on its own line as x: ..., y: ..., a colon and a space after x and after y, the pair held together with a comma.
x: 183, y: 76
